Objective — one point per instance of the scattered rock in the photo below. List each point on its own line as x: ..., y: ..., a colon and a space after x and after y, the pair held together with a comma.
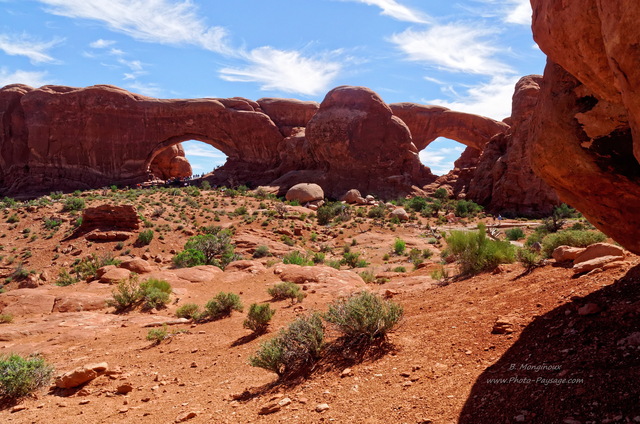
x: 322, y: 407
x: 81, y: 375
x: 18, y: 408
x: 124, y: 388
x: 347, y: 372
x: 275, y: 404
x: 589, y: 309
x: 185, y: 416
x: 503, y: 325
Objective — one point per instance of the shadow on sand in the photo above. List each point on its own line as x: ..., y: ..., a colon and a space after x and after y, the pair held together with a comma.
x: 567, y: 367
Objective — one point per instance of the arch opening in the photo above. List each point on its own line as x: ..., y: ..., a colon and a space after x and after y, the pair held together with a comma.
x: 184, y: 157
x: 440, y: 155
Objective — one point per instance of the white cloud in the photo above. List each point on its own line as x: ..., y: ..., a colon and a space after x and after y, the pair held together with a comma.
x: 23, y: 45
x: 134, y: 65
x: 160, y: 21
x: 397, y: 11
x: 150, y: 89
x: 454, y: 47
x: 102, y: 44
x: 492, y: 99
x: 440, y: 159
x: 519, y: 12
x: 199, y: 149
x: 286, y: 71
x: 34, y: 79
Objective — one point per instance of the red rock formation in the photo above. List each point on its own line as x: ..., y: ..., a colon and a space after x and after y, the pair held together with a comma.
x: 109, y: 218
x: 503, y: 180
x: 288, y: 114
x: 74, y: 138
x: 171, y: 163
x: 428, y: 122
x: 586, y: 139
x: 360, y: 144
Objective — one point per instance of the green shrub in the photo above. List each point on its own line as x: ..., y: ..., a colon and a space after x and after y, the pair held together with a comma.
x: 145, y: 237
x: 439, y: 273
x: 52, y: 224
x: 334, y: 263
x: 377, y: 212
x: 73, y: 204
x: 570, y: 238
x: 363, y: 317
x: 222, y: 305
x: 514, y: 234
x: 21, y: 376
x: 353, y: 260
x: 88, y: 266
x: 286, y: 290
x: 318, y: 258
x: 188, y: 310
x: 476, y: 253
x: 217, y: 248
x: 157, y: 335
x: 155, y: 293
x: 399, y: 269
x: 441, y: 194
x: 188, y: 258
x: 417, y: 203
x: 368, y: 276
x: 127, y: 295
x: 294, y: 349
x: 13, y: 218
x: 296, y: 258
x: 6, y: 318
x: 528, y: 258
x: 261, y: 252
x: 399, y: 246
x: 65, y: 279
x: 258, y: 317
x: 467, y: 208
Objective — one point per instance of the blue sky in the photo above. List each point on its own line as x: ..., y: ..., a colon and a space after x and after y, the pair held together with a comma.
x: 466, y: 54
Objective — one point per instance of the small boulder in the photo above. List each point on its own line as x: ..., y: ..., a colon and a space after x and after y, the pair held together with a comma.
x: 598, y: 250
x: 305, y: 192
x: 115, y: 275
x: 400, y: 213
x: 137, y: 265
x: 81, y: 375
x: 589, y: 309
x: 503, y: 325
x: 352, y: 196
x: 592, y: 264
x: 566, y: 253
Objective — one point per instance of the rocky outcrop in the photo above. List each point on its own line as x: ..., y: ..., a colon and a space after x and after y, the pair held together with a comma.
x: 288, y: 114
x: 504, y: 180
x: 428, y: 122
x: 171, y: 163
x: 359, y: 143
x: 109, y: 218
x: 63, y: 138
x: 586, y: 140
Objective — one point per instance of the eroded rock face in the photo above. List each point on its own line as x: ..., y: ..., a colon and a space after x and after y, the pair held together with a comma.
x: 109, y: 218
x: 354, y: 122
x: 63, y: 138
x: 504, y: 180
x: 586, y: 138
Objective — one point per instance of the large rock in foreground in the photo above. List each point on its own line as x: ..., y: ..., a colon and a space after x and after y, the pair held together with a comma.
x: 586, y: 140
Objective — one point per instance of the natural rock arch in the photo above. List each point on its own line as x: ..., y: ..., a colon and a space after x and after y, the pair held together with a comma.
x: 428, y: 122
